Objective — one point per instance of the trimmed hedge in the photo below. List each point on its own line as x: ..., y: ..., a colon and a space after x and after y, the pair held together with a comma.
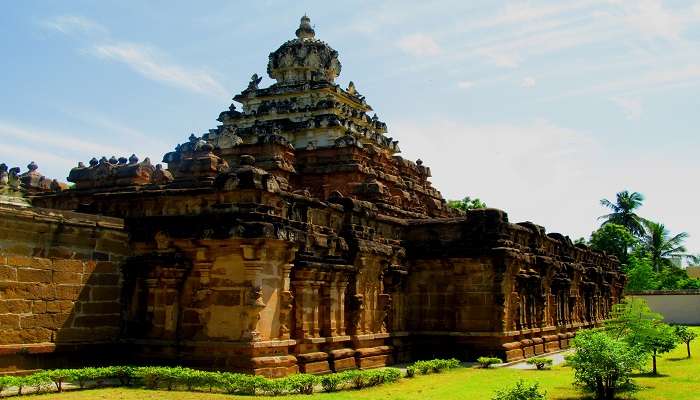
x: 179, y: 378
x: 487, y: 362
x: 540, y: 362
x: 428, y: 366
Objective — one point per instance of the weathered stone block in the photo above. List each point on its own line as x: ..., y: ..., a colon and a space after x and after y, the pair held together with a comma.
x: 68, y: 265
x: 9, y: 321
x: 8, y: 273
x: 33, y: 275
x: 15, y: 306
x: 65, y: 277
x: 72, y: 292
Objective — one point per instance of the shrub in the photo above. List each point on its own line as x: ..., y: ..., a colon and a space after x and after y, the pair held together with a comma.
x: 410, y: 371
x: 8, y: 381
x: 274, y: 387
x: 487, y: 362
x: 602, y: 364
x: 124, y: 373
x: 234, y: 383
x: 150, y: 376
x: 521, y: 391
x: 40, y: 381
x: 332, y: 382
x: 58, y: 376
x: 302, y: 383
x: 82, y: 376
x: 540, y: 362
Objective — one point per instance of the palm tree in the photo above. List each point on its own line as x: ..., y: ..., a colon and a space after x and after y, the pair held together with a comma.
x: 662, y: 248
x: 623, y: 211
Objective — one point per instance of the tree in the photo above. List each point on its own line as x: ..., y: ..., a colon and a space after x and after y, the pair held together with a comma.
x: 658, y: 339
x: 614, y: 239
x: 640, y: 274
x: 623, y: 211
x: 603, y: 364
x: 635, y: 323
x: 662, y: 248
x: 466, y: 204
x: 685, y: 335
x: 631, y: 318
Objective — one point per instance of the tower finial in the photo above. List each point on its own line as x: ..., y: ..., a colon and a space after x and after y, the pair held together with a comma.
x: 305, y: 30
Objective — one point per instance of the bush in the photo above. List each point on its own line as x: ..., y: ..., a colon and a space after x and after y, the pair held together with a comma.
x: 435, y: 365
x: 40, y: 381
x: 302, y: 383
x: 410, y: 371
x: 234, y: 383
x: 487, y: 362
x: 124, y: 373
x: 274, y: 387
x: 603, y: 364
x: 332, y: 382
x: 6, y: 381
x: 58, y: 376
x: 540, y: 362
x: 521, y: 391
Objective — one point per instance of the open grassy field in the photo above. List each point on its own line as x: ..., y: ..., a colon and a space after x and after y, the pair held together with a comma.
x: 679, y: 380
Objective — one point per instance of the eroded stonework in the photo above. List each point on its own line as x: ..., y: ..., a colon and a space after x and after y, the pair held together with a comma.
x: 292, y: 237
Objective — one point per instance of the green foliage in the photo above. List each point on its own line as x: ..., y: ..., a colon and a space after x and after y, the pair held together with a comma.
x: 332, y: 382
x: 540, y: 362
x: 487, y: 362
x: 640, y: 273
x: 58, y: 376
x: 685, y: 335
x: 233, y: 383
x: 613, y: 239
x: 436, y: 365
x: 466, y: 204
x: 630, y: 318
x: 410, y: 371
x: 623, y: 211
x: 633, y: 321
x: 663, y: 248
x: 521, y: 391
x: 6, y: 381
x: 302, y: 383
x: 603, y: 364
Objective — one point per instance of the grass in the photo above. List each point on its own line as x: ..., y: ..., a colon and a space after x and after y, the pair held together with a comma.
x: 679, y: 380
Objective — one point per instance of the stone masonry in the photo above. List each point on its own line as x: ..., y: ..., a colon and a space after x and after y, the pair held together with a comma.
x: 290, y: 238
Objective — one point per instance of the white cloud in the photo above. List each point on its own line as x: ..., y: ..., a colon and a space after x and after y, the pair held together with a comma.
x: 528, y: 82
x: 70, y: 24
x: 419, y: 44
x: 632, y: 108
x: 141, y: 58
x: 146, y: 62
x: 465, y: 84
x: 53, y: 139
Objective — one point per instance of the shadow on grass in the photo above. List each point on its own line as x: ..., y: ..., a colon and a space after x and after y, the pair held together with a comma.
x: 678, y: 359
x: 649, y: 375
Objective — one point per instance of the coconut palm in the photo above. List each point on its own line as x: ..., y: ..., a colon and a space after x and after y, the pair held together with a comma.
x: 663, y: 248
x: 623, y: 211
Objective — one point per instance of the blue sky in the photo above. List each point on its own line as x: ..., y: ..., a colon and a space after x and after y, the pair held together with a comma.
x: 540, y: 108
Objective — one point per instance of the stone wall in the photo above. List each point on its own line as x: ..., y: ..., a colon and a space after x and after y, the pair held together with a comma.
x: 59, y: 284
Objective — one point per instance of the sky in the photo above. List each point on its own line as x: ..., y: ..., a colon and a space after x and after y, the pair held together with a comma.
x: 539, y: 108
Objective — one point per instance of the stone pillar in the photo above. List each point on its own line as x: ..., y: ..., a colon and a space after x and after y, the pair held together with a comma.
x: 286, y: 302
x: 315, y: 309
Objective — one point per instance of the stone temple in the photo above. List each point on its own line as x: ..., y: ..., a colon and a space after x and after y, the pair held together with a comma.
x: 290, y: 238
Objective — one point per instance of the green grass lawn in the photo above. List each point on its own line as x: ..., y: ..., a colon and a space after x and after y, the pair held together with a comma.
x: 679, y: 380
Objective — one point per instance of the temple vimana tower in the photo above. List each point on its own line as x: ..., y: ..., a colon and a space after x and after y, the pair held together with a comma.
x: 292, y: 237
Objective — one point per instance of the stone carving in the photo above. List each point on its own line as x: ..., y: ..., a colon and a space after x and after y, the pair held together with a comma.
x: 254, y: 82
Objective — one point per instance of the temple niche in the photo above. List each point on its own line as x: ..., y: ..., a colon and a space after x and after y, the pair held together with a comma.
x: 292, y: 237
